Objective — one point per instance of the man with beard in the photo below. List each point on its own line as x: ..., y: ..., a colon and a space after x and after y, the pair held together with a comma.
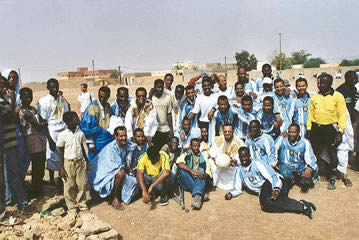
x: 121, y: 104
x: 298, y: 164
x: 327, y: 120
x: 142, y: 114
x: 223, y: 148
x: 259, y: 178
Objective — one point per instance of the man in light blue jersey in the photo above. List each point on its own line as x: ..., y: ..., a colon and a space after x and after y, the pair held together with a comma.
x: 224, y: 114
x: 298, y: 112
x: 187, y: 106
x: 271, y: 119
x: 298, y: 164
x: 246, y: 113
x: 186, y: 133
x: 261, y: 145
x: 267, y: 72
x: 259, y: 178
x: 281, y: 99
x: 249, y: 87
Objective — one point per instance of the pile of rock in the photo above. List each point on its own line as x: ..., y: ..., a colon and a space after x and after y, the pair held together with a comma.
x: 53, y: 223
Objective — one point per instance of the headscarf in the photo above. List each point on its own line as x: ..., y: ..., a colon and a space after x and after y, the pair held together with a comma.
x: 6, y: 74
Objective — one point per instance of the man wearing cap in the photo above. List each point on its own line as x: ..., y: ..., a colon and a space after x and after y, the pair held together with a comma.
x: 267, y: 89
x: 327, y: 119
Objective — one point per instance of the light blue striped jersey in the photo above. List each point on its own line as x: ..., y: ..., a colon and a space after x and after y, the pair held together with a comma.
x: 244, y: 118
x: 298, y: 154
x: 253, y: 177
x: 263, y: 149
x: 298, y: 112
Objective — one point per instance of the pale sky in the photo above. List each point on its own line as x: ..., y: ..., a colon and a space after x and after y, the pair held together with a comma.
x: 43, y: 37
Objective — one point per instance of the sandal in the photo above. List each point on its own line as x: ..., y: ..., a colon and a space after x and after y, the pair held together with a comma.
x: 347, y: 182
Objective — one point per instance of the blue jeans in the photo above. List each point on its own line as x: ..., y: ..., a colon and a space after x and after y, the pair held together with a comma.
x: 161, y: 188
x: 14, y: 173
x: 190, y: 183
x: 293, y: 174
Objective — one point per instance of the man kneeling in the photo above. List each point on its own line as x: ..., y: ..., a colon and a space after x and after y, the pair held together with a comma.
x: 258, y: 177
x: 153, y: 172
x: 192, y: 172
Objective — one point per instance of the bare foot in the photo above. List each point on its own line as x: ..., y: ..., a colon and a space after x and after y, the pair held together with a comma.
x: 116, y: 204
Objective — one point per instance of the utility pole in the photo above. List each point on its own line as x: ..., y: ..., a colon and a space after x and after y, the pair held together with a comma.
x: 93, y: 71
x: 280, y: 51
x: 119, y: 74
x: 18, y: 69
x: 225, y: 66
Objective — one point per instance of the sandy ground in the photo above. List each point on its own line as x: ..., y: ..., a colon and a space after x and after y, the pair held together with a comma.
x: 336, y: 217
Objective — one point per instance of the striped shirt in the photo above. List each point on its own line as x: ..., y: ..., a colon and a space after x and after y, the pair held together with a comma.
x: 9, y: 127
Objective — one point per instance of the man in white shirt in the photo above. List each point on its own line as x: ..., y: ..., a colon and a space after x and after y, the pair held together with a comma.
x: 85, y: 98
x: 204, y: 103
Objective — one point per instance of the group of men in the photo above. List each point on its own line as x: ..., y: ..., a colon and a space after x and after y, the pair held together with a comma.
x: 205, y: 135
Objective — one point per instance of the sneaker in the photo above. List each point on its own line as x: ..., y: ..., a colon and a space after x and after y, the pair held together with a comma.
x: 197, y: 202
x: 308, y: 208
x: 331, y: 183
x: 205, y: 197
x: 163, y: 200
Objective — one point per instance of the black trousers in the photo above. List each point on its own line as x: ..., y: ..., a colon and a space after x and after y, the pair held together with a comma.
x: 282, y: 204
x: 38, y: 171
x: 160, y: 139
x: 323, y: 136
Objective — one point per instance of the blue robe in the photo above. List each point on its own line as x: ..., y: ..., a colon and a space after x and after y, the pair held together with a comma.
x: 94, y: 124
x: 106, y: 165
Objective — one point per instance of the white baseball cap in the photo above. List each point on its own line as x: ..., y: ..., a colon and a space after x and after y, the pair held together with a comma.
x: 267, y: 80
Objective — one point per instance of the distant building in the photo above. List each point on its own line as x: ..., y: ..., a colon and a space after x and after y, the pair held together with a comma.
x: 85, y: 74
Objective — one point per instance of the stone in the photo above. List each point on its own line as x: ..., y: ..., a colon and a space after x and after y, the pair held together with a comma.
x: 78, y: 223
x: 112, y: 234
x: 52, y: 202
x: 58, y: 212
x: 29, y: 235
x: 36, y: 216
x: 82, y: 237
x: 94, y: 226
x: 88, y: 216
x: 68, y: 221
x: 92, y: 237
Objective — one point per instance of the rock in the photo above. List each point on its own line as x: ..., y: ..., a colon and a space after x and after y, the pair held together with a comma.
x: 92, y: 237
x: 53, y: 202
x: 68, y: 221
x: 112, y: 234
x: 29, y: 235
x: 35, y: 217
x: 78, y: 223
x: 82, y: 237
x: 88, y: 216
x: 58, y: 212
x: 26, y: 227
x: 94, y: 226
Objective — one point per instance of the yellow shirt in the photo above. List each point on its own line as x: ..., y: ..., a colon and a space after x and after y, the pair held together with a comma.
x: 327, y: 110
x: 153, y: 170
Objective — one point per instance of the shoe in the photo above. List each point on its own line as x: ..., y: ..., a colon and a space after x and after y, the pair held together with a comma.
x: 25, y: 208
x: 163, y: 200
x: 197, y: 201
x: 347, y: 182
x: 304, y: 188
x: 331, y: 183
x: 308, y: 208
x: 205, y: 197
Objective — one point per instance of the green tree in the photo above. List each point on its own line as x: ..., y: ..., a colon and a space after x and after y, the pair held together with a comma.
x: 347, y: 62
x: 114, y: 73
x: 300, y: 57
x: 314, y: 62
x: 281, y: 58
x: 246, y: 60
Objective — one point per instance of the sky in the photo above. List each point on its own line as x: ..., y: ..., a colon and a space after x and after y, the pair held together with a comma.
x: 43, y: 37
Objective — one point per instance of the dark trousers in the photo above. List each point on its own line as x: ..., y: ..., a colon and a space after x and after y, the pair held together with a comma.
x: 38, y: 171
x: 282, y: 204
x: 323, y: 137
x: 160, y: 139
x: 159, y: 189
